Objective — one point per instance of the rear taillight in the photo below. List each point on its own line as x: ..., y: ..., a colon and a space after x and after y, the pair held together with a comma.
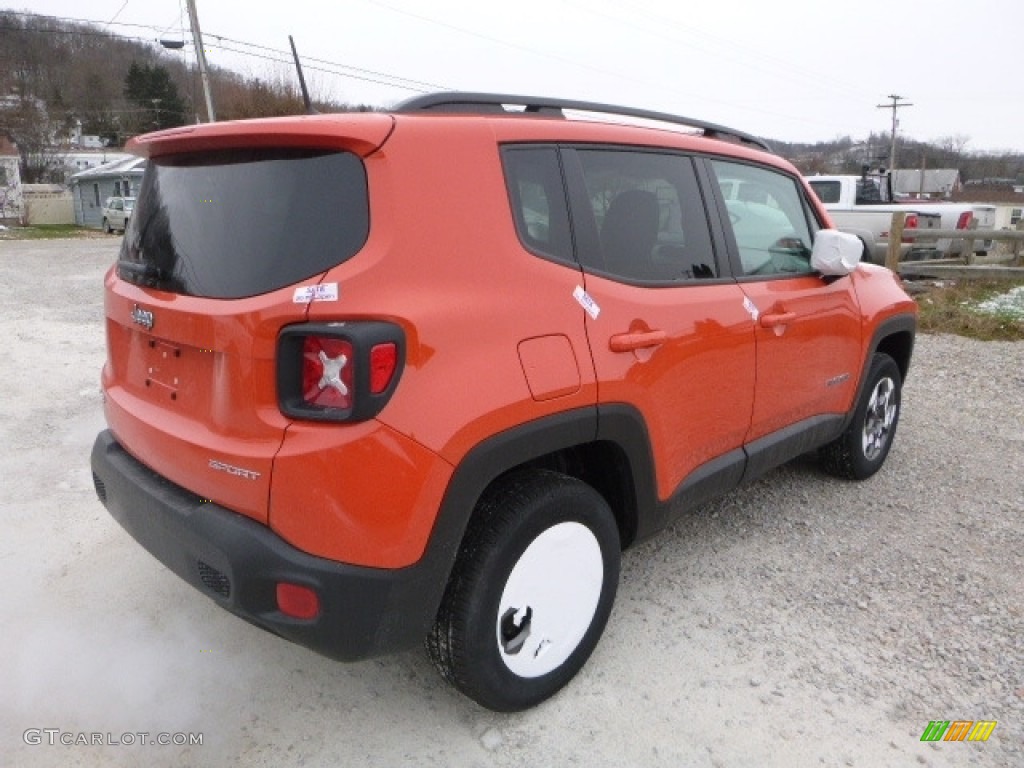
x: 383, y: 363
x: 338, y: 371
x: 326, y: 372
x: 964, y: 222
x: 910, y: 222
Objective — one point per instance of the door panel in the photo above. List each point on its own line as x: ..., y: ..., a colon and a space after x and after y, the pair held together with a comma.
x: 671, y: 335
x: 808, y: 329
x: 807, y: 355
x: 693, y: 380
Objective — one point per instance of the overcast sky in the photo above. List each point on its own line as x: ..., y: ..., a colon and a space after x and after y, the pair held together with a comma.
x: 795, y: 70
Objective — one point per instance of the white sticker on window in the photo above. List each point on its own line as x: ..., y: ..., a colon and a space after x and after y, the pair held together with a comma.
x: 751, y: 308
x: 586, y: 302
x: 309, y: 293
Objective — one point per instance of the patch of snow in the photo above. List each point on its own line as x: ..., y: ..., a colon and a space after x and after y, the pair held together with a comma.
x: 1009, y: 303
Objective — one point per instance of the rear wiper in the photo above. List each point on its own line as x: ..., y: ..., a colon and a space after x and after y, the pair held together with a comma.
x: 138, y: 270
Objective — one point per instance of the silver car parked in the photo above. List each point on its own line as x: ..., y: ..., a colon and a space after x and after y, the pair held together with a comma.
x: 117, y: 212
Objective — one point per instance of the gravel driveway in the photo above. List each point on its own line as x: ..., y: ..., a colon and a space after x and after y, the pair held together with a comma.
x: 800, y: 621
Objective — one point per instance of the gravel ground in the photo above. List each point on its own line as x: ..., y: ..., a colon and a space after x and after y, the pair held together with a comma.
x: 800, y: 621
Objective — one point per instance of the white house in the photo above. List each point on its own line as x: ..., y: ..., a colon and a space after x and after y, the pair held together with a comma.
x: 91, y: 187
x: 1008, y: 200
x: 12, y: 204
x: 76, y: 160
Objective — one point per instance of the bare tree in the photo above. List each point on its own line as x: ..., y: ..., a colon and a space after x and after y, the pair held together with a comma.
x: 38, y: 138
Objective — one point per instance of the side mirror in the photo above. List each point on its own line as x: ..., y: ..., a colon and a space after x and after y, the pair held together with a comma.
x: 836, y: 253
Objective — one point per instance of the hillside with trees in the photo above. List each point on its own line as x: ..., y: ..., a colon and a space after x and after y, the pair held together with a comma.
x: 55, y: 75
x: 845, y: 155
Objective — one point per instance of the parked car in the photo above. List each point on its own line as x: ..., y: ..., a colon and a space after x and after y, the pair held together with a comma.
x: 379, y: 378
x: 117, y: 213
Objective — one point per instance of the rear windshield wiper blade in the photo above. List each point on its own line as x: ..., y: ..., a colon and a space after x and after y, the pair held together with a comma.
x: 138, y: 270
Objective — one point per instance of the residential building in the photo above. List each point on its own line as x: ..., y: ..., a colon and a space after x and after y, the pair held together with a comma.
x: 12, y: 206
x: 90, y: 188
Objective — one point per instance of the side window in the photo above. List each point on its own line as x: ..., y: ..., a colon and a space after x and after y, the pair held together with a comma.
x: 537, y: 196
x: 867, y: 192
x: 649, y: 216
x: 769, y: 219
x: 827, y: 191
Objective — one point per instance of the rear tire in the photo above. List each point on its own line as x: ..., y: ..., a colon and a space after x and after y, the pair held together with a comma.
x: 107, y: 228
x: 862, y: 449
x: 530, y: 593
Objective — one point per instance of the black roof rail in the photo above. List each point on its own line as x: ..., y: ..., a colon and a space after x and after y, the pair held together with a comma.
x: 495, y: 103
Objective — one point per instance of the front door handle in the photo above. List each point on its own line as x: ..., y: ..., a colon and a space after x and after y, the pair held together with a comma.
x: 628, y: 342
x: 773, y: 320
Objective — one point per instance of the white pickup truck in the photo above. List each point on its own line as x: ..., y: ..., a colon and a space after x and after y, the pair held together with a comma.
x: 958, y: 216
x: 863, y: 206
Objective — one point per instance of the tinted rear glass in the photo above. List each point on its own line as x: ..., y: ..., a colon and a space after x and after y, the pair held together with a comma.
x: 241, y: 223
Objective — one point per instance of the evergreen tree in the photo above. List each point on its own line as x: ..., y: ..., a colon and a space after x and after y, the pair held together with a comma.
x: 154, y: 95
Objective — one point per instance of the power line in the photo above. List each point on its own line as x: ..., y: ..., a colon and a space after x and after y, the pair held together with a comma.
x: 78, y: 32
x: 326, y: 70
x: 647, y: 22
x: 123, y: 6
x: 617, y: 74
x: 328, y: 67
x: 73, y: 19
x: 722, y: 47
x: 366, y: 73
x: 174, y: 22
x: 505, y: 43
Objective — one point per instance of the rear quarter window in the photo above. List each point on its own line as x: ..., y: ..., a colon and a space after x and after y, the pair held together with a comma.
x: 537, y: 196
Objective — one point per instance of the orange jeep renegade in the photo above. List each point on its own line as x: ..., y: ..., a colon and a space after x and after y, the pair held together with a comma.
x: 375, y: 378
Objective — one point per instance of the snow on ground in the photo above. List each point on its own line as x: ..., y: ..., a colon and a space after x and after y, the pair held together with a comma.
x: 1009, y: 303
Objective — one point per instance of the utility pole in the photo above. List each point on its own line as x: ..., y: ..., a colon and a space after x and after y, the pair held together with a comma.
x: 894, y: 106
x: 197, y: 38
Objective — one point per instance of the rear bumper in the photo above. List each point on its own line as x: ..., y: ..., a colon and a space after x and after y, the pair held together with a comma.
x: 238, y: 562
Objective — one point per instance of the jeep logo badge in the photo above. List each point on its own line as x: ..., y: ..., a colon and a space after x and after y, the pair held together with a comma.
x: 142, y: 317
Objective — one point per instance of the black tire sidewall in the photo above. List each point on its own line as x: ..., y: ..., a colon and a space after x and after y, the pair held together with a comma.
x: 882, y: 366
x: 494, y: 684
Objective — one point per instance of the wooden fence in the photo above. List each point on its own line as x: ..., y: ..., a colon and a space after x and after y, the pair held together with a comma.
x: 965, y: 266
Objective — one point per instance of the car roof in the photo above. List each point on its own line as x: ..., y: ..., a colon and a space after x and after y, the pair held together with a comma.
x: 527, y: 106
x: 510, y: 119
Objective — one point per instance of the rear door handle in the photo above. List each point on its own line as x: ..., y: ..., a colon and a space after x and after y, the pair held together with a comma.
x: 628, y: 342
x: 782, y: 318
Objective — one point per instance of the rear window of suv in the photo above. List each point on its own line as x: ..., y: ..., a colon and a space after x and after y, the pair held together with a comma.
x: 232, y: 224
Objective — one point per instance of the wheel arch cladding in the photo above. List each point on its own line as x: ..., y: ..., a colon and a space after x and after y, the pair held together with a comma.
x: 569, y: 442
x: 899, y: 345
